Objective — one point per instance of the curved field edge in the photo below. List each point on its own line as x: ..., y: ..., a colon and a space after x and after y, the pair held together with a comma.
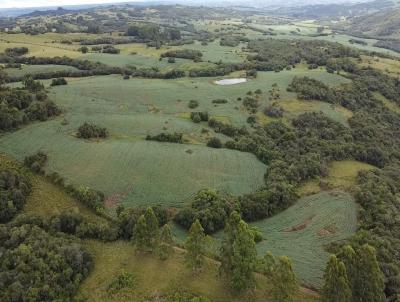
x: 305, y: 230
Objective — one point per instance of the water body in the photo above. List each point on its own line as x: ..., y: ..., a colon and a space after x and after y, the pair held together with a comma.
x: 225, y: 82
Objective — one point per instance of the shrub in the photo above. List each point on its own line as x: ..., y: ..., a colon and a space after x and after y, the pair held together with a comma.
x: 166, y: 137
x: 193, y: 104
x: 273, y: 111
x: 198, y: 117
x: 210, y: 207
x: 88, y: 130
x: 214, y: 142
x: 220, y: 101
x: 59, y: 81
x: 36, y: 162
x: 14, y: 189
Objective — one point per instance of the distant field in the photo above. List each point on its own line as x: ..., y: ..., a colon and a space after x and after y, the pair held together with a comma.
x: 134, y: 171
x: 391, y: 67
x: 304, y: 230
x: 34, y: 69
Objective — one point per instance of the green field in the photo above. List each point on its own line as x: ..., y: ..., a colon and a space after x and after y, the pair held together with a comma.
x: 35, y: 69
x: 303, y: 231
x: 131, y: 170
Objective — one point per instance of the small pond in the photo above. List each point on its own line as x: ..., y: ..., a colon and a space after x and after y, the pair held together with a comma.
x: 231, y: 81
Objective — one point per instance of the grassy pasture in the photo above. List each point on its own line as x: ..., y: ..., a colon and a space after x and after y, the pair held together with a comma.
x: 304, y: 230
x: 34, y: 69
x: 388, y: 103
x: 342, y: 175
x: 47, y: 199
x: 139, y: 172
x: 336, y: 112
x: 389, y: 66
x: 154, y: 277
x: 134, y: 171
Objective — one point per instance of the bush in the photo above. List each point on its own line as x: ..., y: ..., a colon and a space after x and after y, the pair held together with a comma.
x: 166, y: 137
x: 220, y: 101
x: 193, y: 104
x: 16, y: 51
x: 14, y: 189
x: 183, y: 54
x: 88, y: 130
x: 59, y: 81
x: 210, y: 207
x: 273, y: 111
x: 36, y: 162
x: 198, y: 117
x: 214, y: 142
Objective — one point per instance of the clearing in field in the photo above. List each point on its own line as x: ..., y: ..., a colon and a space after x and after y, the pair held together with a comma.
x: 342, y: 175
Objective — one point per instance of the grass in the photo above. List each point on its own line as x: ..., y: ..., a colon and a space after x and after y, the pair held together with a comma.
x: 46, y: 199
x: 295, y: 107
x: 303, y: 231
x: 154, y: 277
x: 391, y: 105
x: 342, y: 175
x: 389, y: 66
x: 131, y: 170
x: 34, y: 69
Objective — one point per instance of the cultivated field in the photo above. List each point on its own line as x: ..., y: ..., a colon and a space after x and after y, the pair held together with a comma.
x: 303, y: 232
x: 134, y: 171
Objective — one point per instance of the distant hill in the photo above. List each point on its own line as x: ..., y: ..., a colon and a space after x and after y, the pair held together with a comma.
x: 335, y: 10
x: 380, y: 25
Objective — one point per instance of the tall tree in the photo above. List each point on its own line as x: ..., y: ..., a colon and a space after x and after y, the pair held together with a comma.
x: 195, y: 246
x: 165, y: 248
x: 227, y: 243
x: 364, y: 274
x: 146, y: 232
x: 153, y: 231
x: 243, y: 259
x: 370, y: 285
x: 336, y: 288
x: 284, y: 281
x: 139, y: 237
x: 238, y: 254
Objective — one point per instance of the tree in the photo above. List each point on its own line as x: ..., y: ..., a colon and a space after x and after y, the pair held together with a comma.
x: 195, y: 246
x: 238, y: 254
x: 370, y: 285
x: 165, y: 248
x: 243, y: 259
x: 146, y: 232
x: 336, y: 288
x: 364, y: 274
x: 226, y: 267
x: 284, y: 281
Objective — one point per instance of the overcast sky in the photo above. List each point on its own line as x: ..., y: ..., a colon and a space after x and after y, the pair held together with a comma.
x: 37, y: 3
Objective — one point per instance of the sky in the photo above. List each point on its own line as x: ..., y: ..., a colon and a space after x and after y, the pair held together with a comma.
x: 38, y: 3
